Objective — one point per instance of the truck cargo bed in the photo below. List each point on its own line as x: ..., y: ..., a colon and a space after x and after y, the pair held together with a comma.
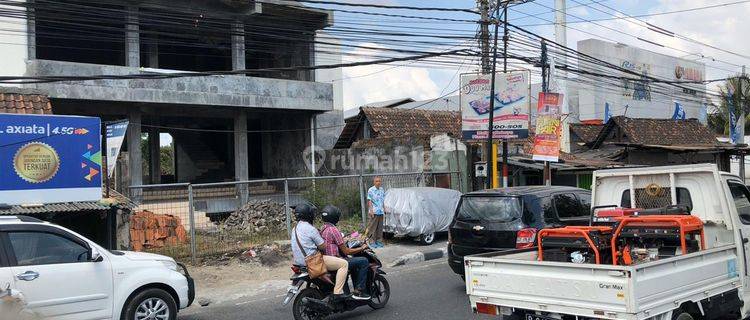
x: 518, y: 280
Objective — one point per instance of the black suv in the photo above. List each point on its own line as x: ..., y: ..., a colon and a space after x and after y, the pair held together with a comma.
x: 509, y: 218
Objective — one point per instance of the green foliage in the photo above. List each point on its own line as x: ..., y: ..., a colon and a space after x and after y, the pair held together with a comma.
x: 327, y: 191
x: 718, y: 117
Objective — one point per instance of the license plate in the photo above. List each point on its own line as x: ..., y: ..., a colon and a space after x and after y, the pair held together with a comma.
x: 538, y: 317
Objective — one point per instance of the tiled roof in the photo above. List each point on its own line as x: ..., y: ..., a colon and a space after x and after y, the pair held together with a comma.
x: 586, y: 132
x: 23, y: 101
x: 393, y: 122
x: 399, y: 122
x: 662, y: 132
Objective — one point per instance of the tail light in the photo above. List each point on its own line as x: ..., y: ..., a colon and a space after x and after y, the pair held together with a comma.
x: 296, y: 270
x: 486, y: 308
x: 450, y: 238
x: 525, y: 238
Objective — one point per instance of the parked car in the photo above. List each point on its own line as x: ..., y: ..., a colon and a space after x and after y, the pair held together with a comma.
x: 419, y: 212
x: 62, y: 275
x: 509, y: 218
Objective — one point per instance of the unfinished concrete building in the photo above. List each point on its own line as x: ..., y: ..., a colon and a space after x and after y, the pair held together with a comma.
x: 223, y: 128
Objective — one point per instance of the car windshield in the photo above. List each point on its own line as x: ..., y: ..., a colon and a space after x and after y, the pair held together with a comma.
x: 491, y: 208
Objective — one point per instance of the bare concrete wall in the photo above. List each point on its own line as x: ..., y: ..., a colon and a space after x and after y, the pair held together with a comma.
x: 236, y: 91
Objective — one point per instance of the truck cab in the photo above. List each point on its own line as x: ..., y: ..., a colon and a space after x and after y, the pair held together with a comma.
x: 708, y: 283
x: 50, y: 272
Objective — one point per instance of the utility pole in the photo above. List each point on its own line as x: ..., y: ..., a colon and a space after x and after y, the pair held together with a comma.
x: 484, y: 34
x: 547, y: 174
x: 561, y: 38
x: 491, y: 124
x: 741, y: 122
x: 505, y: 71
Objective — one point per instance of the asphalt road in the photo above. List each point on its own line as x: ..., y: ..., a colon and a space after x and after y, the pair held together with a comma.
x: 424, y: 291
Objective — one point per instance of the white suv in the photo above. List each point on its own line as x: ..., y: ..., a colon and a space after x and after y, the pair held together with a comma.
x: 62, y: 275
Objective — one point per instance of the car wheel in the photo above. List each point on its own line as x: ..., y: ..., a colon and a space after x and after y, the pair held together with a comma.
x: 387, y: 235
x: 150, y: 304
x: 427, y: 239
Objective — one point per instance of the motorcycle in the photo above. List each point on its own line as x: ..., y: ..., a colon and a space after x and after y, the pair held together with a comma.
x: 313, y: 301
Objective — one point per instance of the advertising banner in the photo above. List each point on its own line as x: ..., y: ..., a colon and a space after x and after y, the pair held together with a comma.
x: 115, y: 136
x: 548, y: 126
x: 511, y: 109
x: 49, y: 159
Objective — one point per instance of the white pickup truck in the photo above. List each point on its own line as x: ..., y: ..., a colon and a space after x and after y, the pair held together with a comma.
x: 707, y: 284
x: 50, y: 272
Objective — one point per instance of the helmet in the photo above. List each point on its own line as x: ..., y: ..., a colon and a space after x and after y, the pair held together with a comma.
x: 305, y: 212
x: 331, y: 214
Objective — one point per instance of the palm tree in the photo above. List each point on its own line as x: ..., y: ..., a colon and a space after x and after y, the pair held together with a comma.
x: 738, y: 88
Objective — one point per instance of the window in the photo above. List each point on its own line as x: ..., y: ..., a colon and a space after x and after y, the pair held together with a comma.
x: 497, y: 209
x: 741, y: 201
x: 35, y: 248
x: 567, y: 206
x: 656, y: 199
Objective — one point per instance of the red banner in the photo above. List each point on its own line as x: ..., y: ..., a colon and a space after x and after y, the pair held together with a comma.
x: 548, y: 126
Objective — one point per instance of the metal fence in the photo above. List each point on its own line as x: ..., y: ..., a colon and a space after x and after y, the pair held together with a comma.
x: 229, y: 217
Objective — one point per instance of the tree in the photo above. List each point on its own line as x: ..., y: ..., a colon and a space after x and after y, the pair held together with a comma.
x: 738, y: 88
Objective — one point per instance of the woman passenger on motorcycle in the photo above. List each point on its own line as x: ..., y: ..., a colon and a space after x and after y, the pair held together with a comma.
x: 336, y: 247
x: 310, y: 240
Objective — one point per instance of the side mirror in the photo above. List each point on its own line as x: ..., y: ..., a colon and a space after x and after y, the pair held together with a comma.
x: 95, y: 255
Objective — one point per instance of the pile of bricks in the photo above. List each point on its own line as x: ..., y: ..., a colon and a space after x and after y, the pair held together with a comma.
x: 150, y: 230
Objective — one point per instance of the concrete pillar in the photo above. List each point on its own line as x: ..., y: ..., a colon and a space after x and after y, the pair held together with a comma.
x: 240, y: 146
x: 241, y: 154
x: 154, y: 152
x: 135, y: 158
x: 238, y: 45
x: 132, y: 39
x: 31, y: 30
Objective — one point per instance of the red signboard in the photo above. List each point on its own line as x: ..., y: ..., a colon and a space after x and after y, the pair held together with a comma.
x: 548, y: 126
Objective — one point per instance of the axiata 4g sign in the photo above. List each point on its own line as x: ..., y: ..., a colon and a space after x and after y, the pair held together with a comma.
x: 511, y: 107
x: 49, y: 159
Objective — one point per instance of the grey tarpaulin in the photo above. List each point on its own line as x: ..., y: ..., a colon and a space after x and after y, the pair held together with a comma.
x: 417, y: 211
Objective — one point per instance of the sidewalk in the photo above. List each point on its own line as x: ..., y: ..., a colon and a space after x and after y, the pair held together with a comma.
x: 240, y: 277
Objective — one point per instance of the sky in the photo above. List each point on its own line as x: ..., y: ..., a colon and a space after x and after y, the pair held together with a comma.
x: 723, y: 27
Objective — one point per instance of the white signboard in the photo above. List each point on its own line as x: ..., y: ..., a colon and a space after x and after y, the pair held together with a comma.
x: 511, y: 109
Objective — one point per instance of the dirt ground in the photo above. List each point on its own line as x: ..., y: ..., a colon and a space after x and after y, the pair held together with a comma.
x: 234, y: 276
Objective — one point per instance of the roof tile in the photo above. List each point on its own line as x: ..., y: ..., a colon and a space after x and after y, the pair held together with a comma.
x: 11, y: 101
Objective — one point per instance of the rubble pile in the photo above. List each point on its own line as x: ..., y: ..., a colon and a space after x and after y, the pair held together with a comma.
x: 150, y: 230
x: 257, y: 216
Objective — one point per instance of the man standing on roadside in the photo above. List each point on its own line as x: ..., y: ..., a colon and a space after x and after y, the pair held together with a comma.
x: 375, y: 198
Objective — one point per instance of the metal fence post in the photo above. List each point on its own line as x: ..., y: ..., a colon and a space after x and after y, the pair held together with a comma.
x: 286, y: 208
x: 362, y: 200
x: 192, y: 223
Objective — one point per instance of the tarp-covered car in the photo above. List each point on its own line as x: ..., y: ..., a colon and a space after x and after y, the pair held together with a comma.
x: 419, y: 212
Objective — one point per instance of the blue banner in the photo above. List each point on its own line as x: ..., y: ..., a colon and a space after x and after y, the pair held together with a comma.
x: 49, y: 159
x: 679, y: 112
x: 115, y: 136
x: 607, y: 112
x: 734, y: 136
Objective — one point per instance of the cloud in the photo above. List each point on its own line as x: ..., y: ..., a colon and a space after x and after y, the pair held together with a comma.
x: 373, y: 83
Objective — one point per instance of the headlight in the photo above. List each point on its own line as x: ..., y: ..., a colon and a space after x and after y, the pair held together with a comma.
x: 171, y: 265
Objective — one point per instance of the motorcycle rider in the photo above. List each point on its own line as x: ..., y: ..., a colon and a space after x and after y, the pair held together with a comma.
x: 311, y: 241
x: 335, y: 246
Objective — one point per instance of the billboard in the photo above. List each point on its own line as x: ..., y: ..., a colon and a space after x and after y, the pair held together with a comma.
x: 49, y: 159
x: 511, y: 109
x: 548, y: 126
x: 635, y: 94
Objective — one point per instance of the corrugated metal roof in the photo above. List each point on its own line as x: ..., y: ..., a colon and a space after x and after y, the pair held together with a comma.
x: 57, y: 207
